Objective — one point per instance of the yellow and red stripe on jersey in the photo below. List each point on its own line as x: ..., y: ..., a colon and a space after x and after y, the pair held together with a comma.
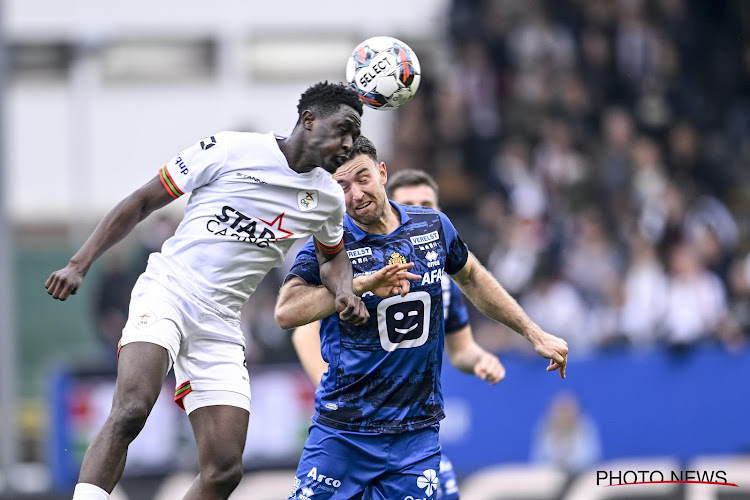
x: 332, y: 249
x: 182, y: 390
x: 169, y: 184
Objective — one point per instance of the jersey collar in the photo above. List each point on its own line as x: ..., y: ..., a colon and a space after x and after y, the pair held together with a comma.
x: 360, y: 233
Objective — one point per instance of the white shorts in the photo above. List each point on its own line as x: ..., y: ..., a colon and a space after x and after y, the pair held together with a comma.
x: 206, y: 346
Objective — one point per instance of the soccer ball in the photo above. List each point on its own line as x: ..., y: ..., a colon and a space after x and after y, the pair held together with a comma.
x: 384, y: 71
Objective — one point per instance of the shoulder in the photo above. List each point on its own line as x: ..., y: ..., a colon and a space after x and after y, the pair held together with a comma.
x: 329, y: 187
x: 427, y: 215
x: 240, y: 140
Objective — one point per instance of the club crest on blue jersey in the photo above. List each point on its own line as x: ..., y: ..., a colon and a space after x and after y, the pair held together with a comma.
x: 396, y: 258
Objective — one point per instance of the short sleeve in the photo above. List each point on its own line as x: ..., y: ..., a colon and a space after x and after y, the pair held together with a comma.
x: 196, y: 166
x: 330, y: 234
x: 306, y: 265
x: 457, y: 315
x: 457, y: 251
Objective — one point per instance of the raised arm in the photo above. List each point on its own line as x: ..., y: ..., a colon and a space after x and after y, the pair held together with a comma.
x: 496, y: 303
x: 117, y: 224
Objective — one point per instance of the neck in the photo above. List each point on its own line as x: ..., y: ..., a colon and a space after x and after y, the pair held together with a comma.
x: 389, y: 222
x: 291, y: 148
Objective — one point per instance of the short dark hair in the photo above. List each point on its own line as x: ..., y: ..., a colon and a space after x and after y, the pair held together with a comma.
x: 364, y: 146
x: 408, y: 178
x: 325, y: 98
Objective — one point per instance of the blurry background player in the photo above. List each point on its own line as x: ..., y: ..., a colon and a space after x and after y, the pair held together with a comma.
x: 378, y: 406
x: 413, y: 187
x: 252, y: 196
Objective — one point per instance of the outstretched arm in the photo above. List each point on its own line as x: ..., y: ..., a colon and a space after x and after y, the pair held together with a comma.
x: 299, y: 303
x: 496, y: 303
x: 469, y: 357
x: 306, y: 340
x: 117, y: 224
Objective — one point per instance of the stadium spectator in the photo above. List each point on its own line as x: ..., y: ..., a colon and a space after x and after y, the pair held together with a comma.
x: 566, y: 437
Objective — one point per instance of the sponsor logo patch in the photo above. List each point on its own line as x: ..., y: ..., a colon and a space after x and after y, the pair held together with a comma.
x: 424, y: 238
x: 307, y: 200
x: 359, y: 252
x: 428, y: 481
x: 144, y: 317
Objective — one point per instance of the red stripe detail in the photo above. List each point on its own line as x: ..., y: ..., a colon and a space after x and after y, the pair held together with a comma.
x: 172, y: 180
x: 332, y: 249
x: 178, y: 399
x: 119, y: 347
x: 166, y: 186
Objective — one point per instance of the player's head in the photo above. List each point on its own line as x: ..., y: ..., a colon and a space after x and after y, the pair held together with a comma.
x: 363, y: 179
x: 329, y: 116
x: 413, y: 187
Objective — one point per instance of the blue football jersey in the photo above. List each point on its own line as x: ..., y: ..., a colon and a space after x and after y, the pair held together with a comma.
x: 384, y: 376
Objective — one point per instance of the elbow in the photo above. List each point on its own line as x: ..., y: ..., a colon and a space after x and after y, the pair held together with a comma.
x: 283, y: 318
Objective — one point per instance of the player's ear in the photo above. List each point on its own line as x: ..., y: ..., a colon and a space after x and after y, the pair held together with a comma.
x: 308, y: 117
x: 383, y: 170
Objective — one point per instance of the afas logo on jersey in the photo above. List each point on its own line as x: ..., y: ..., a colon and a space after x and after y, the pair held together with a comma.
x: 307, y: 200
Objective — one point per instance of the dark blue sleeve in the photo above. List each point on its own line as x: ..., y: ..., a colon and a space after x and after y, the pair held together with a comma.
x: 458, y: 253
x: 306, y: 265
x: 458, y: 314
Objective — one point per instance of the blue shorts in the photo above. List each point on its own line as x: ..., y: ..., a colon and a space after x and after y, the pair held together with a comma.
x: 447, y: 481
x: 342, y: 465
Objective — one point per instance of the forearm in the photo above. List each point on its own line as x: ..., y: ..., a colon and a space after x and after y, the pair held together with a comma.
x: 466, y: 359
x: 117, y: 224
x: 336, y: 274
x: 299, y: 304
x: 495, y: 302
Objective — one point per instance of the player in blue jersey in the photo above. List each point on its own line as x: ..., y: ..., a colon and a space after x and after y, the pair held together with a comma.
x: 375, y: 428
x: 417, y: 188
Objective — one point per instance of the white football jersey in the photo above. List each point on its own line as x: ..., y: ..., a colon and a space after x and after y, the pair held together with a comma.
x: 246, y: 209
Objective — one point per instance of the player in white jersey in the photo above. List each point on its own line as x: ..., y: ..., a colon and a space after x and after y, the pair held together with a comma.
x: 252, y: 196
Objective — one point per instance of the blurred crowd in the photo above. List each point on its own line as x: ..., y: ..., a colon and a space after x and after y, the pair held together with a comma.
x: 594, y: 155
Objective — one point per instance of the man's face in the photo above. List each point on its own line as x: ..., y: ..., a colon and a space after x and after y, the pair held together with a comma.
x: 331, y: 136
x: 421, y: 195
x: 362, y: 180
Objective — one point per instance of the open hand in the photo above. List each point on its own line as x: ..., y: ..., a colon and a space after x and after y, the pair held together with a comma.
x: 390, y: 280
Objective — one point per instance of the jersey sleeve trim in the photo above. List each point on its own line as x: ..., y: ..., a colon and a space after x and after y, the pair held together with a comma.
x: 332, y: 249
x: 169, y: 184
